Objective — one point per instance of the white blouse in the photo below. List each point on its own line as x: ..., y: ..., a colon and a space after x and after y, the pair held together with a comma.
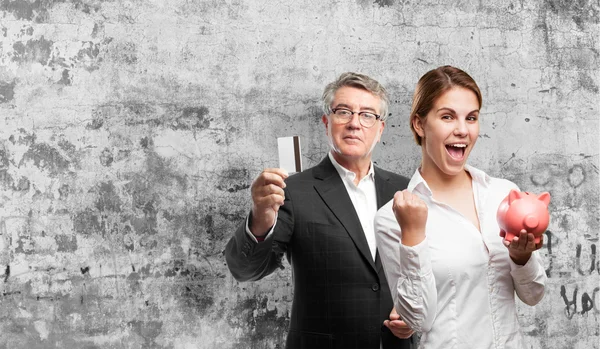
x: 457, y: 287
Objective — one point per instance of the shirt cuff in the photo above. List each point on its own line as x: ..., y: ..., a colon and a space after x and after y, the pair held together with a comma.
x: 525, y: 273
x: 415, y: 261
x: 262, y: 238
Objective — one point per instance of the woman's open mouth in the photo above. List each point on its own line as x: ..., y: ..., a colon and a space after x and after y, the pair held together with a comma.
x: 456, y: 151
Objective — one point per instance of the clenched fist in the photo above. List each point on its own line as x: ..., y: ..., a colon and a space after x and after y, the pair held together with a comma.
x: 267, y: 197
x: 411, y: 214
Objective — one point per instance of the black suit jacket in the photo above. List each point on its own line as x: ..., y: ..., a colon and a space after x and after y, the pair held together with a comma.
x: 341, y: 296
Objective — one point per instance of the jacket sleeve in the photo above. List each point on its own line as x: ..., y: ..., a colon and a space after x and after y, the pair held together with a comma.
x: 408, y: 271
x: 249, y: 260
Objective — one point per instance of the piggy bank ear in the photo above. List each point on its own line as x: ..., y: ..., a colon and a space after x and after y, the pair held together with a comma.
x: 545, y: 198
x: 513, y: 195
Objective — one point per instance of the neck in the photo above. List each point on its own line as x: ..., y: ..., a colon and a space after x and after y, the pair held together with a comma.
x: 360, y: 166
x: 440, y: 182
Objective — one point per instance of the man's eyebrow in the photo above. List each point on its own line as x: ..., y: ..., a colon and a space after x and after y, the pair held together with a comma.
x: 342, y: 105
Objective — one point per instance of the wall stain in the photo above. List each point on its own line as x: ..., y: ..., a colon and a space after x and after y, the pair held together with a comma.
x: 581, y: 12
x: 22, y: 185
x: 198, y: 297
x: 106, y: 157
x: 65, y: 78
x: 192, y: 118
x: 88, y: 54
x: 586, y: 82
x: 87, y: 222
x: 258, y: 321
x: 7, y: 91
x: 576, y: 176
x: 24, y: 9
x: 45, y: 156
x: 35, y: 50
x: 66, y: 243
x: 384, y: 3
x: 148, y: 330
x: 107, y: 197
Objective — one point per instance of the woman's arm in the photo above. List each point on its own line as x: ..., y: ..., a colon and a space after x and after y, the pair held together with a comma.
x: 408, y: 271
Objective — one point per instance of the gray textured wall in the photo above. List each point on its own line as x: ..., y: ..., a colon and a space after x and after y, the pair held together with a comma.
x: 131, y: 130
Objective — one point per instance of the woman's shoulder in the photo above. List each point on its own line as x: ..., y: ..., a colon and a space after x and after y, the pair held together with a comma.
x: 502, y: 183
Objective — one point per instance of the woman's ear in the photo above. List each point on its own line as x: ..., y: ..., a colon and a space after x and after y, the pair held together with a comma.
x: 417, y: 123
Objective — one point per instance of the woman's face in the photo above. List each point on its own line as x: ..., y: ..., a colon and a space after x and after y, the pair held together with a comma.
x: 449, y: 132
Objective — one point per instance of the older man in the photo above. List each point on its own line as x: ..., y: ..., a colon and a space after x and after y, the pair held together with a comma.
x: 322, y: 219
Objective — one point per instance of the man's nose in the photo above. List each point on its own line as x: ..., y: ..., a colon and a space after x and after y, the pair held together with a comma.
x: 354, y: 121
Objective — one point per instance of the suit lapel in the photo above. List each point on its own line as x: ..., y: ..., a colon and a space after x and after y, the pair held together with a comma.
x: 333, y: 192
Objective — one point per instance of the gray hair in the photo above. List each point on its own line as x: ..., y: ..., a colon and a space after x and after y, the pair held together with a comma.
x: 360, y: 81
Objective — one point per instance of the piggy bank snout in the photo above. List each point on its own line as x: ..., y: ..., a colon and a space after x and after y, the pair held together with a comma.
x: 531, y: 222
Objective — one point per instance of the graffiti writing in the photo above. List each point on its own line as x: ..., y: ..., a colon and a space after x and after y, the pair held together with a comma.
x: 586, y: 301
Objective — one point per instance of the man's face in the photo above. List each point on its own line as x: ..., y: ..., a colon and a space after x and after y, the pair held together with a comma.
x: 353, y: 143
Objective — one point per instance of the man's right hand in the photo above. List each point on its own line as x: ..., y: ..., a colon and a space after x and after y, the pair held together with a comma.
x: 411, y: 214
x: 267, y: 197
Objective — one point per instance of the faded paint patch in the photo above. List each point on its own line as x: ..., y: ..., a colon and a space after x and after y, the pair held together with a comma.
x: 65, y: 78
x: 24, y: 9
x: 89, y: 54
x: 106, y: 157
x: 46, y: 157
x: 87, y: 222
x: 7, y: 91
x: 66, y: 243
x: 259, y: 322
x: 384, y: 3
x: 234, y: 179
x: 34, y: 50
x: 108, y: 199
x: 192, y: 118
x: 582, y: 12
x: 148, y: 330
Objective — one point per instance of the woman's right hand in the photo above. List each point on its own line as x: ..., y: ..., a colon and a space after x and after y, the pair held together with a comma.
x: 411, y: 214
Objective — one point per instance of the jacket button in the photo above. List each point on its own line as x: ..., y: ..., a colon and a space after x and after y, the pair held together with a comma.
x: 375, y: 287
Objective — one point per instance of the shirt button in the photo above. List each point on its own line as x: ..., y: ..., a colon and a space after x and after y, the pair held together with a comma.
x: 375, y: 287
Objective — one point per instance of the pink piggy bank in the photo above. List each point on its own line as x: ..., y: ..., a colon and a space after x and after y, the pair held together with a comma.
x: 523, y: 210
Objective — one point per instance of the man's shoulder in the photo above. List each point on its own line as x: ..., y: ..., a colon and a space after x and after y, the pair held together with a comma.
x: 391, y: 176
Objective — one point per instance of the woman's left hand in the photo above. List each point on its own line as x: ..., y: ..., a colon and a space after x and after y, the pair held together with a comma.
x: 521, y: 247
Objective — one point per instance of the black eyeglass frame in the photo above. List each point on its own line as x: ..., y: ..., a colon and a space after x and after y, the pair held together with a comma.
x: 360, y: 116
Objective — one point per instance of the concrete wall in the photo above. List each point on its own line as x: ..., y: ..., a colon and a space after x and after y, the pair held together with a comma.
x: 130, y: 132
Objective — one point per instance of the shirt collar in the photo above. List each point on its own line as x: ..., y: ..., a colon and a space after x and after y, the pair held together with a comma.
x: 417, y: 182
x: 345, y: 173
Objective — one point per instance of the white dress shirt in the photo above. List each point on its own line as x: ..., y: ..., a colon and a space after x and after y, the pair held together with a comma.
x: 364, y: 199
x: 457, y: 287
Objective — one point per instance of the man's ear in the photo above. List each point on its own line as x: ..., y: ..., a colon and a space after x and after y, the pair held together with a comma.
x: 381, y: 131
x: 417, y: 123
x: 325, y: 121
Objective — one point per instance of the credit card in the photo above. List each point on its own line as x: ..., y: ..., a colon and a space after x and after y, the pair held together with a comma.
x: 290, y: 158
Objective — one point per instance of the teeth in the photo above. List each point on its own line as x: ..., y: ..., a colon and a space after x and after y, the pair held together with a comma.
x: 458, y: 145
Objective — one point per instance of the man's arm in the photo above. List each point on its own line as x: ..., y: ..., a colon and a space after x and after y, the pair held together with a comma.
x: 253, y: 257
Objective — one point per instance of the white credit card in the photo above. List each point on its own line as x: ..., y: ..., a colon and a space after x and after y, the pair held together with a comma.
x: 290, y: 158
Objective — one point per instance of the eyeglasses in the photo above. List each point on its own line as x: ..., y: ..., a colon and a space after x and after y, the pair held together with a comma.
x: 343, y: 116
